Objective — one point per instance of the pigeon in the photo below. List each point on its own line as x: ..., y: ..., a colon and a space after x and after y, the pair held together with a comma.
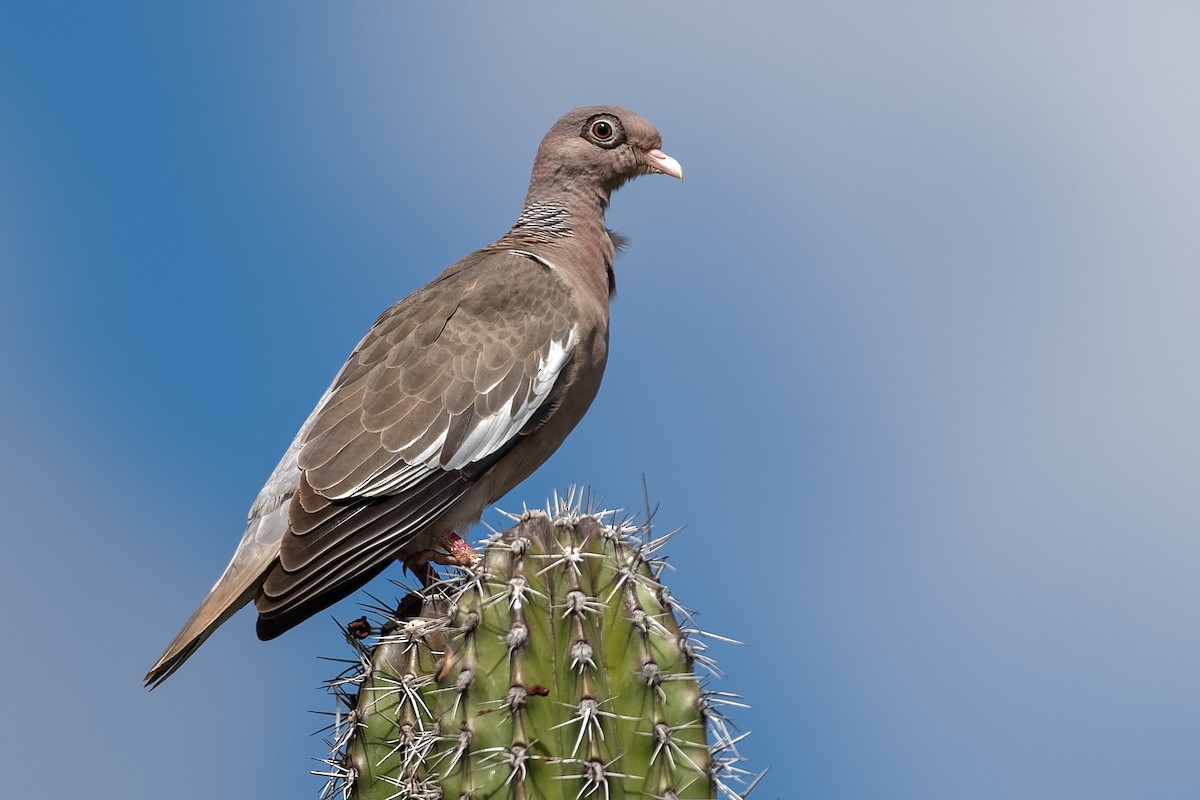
x: 455, y: 395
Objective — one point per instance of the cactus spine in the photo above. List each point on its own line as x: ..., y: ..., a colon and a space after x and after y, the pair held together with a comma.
x: 556, y: 668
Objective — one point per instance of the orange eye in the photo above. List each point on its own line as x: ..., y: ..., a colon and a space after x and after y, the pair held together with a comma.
x: 602, y: 129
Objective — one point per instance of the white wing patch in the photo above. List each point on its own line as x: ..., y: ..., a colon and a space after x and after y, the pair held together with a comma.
x: 490, y: 433
x: 486, y: 436
x: 535, y: 257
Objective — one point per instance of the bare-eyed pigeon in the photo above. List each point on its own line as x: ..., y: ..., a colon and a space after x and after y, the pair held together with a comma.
x: 455, y: 395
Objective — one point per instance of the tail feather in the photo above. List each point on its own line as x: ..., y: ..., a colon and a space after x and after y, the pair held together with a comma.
x: 236, y: 587
x: 212, y: 613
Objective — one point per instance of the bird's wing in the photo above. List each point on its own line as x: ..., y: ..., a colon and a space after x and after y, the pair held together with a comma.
x: 441, y: 387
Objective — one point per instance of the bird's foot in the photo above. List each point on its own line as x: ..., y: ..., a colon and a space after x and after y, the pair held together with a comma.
x: 458, y: 554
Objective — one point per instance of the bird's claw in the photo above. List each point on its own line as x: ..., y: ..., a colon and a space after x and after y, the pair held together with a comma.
x: 458, y: 554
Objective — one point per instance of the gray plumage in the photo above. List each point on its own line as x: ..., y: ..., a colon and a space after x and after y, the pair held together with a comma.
x: 456, y: 394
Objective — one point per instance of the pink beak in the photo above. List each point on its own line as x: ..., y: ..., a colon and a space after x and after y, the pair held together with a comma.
x: 658, y: 161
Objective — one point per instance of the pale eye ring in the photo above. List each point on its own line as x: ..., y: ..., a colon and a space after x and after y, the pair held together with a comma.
x: 603, y: 131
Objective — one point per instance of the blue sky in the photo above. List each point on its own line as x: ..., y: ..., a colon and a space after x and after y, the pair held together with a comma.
x: 912, y: 353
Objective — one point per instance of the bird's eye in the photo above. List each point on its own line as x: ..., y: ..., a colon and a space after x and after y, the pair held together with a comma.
x: 604, y: 130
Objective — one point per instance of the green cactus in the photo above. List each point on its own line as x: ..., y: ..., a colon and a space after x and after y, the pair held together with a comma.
x: 556, y: 668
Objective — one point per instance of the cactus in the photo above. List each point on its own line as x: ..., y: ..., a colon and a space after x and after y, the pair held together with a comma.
x: 557, y: 667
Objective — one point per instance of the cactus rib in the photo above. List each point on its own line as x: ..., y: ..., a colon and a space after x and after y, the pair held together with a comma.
x: 557, y: 667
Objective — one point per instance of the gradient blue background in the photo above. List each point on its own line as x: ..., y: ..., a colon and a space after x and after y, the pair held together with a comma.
x: 913, y: 352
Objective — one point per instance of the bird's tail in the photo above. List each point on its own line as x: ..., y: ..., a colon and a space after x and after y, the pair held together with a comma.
x: 217, y: 607
x: 236, y: 587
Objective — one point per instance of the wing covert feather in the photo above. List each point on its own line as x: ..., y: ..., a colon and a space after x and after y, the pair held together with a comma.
x: 467, y: 351
x: 444, y: 383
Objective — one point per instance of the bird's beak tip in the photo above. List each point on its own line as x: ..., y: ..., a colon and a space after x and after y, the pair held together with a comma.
x: 658, y: 161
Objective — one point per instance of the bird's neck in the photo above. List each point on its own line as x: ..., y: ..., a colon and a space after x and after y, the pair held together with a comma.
x: 568, y: 226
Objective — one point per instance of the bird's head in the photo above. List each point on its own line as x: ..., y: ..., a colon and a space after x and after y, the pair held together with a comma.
x: 592, y: 150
